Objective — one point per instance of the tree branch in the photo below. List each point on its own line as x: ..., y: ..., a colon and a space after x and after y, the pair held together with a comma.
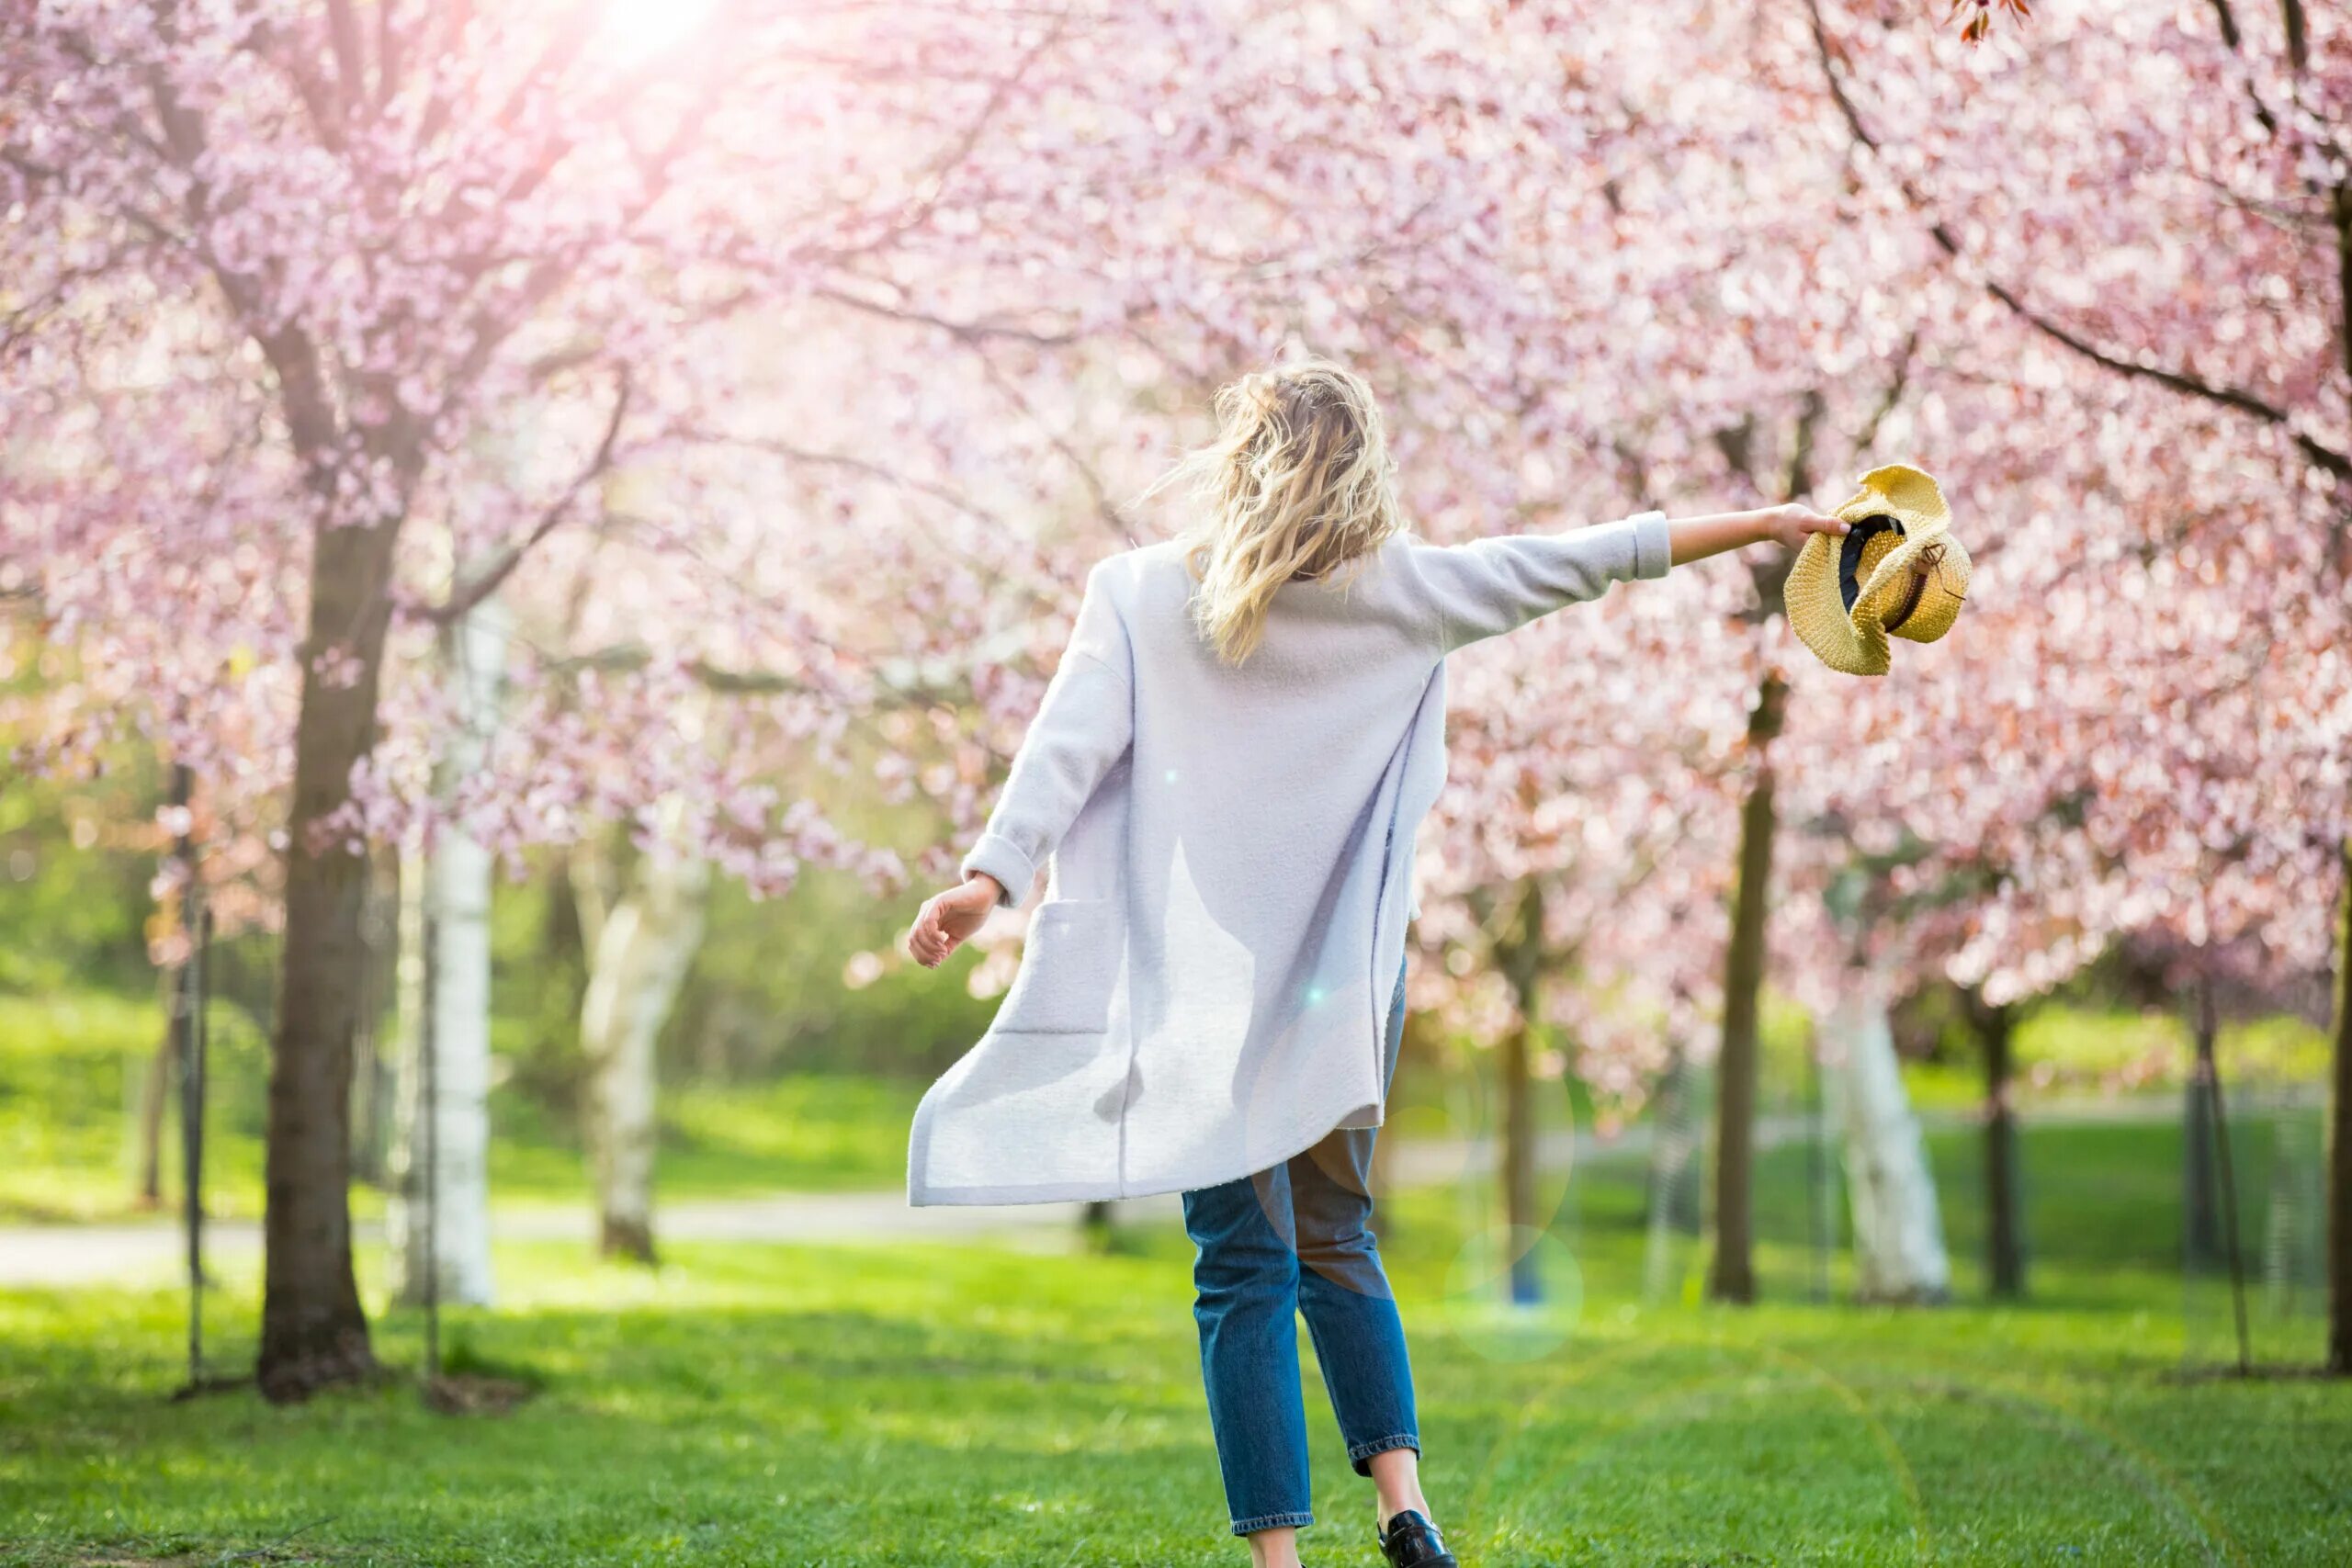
x: 960, y: 151
x: 387, y: 51
x: 723, y: 680
x: 2318, y: 453
x: 1104, y: 508
x: 2236, y: 41
x: 351, y: 70
x: 963, y: 332
x: 1893, y: 398
x: 465, y: 596
x: 775, y: 448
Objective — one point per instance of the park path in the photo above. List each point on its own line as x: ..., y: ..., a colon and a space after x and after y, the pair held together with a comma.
x: 60, y: 1256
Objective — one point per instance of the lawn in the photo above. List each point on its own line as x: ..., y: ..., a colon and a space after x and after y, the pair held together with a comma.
x: 73, y: 1061
x: 927, y: 1405
x: 70, y: 1063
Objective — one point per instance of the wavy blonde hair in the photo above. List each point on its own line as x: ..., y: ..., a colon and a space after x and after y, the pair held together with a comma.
x: 1297, y: 484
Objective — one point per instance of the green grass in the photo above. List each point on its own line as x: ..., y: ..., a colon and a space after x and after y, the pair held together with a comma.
x: 923, y: 1403
x: 2062, y: 1049
x: 71, y: 1066
x: 812, y: 1133
x: 73, y: 1061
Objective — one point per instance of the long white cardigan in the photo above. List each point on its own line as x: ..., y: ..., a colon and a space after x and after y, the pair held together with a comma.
x: 1231, y: 851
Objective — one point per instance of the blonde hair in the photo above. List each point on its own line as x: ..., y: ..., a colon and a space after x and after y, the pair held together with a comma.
x: 1295, y: 485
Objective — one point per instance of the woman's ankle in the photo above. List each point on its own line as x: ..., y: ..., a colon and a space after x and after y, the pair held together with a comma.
x: 1275, y: 1547
x: 1397, y: 1485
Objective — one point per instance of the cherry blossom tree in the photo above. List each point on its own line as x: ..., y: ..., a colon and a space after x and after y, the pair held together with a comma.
x: 835, y: 342
x: 280, y: 277
x: 2217, y: 292
x: 1674, y: 355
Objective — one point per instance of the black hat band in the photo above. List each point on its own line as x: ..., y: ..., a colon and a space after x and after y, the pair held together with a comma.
x: 1850, y: 554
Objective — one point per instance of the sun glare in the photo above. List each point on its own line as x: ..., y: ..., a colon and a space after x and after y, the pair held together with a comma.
x: 648, y: 27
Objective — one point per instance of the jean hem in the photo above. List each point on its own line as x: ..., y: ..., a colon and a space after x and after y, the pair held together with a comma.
x: 1272, y: 1522
x: 1358, y: 1453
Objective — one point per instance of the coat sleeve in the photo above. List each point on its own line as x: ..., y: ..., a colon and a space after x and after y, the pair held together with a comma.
x: 1083, y: 726
x: 1491, y: 586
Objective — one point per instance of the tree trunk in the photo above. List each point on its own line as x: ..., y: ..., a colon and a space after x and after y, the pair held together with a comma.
x: 1686, y: 1147
x: 2003, y: 1217
x: 373, y: 1089
x: 171, y: 1050
x: 638, y: 954
x: 1518, y: 1164
x: 1521, y: 955
x: 156, y: 1088
x: 1733, y: 1276
x: 451, y: 900
x: 313, y: 1332
x: 446, y: 893
x: 2208, y: 1069
x: 1820, y: 1183
x: 2339, y: 1141
x: 2200, y: 1213
x: 1898, y: 1234
x: 1677, y: 1175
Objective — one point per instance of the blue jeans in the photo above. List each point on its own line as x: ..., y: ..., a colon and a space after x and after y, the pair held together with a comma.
x: 1287, y: 1241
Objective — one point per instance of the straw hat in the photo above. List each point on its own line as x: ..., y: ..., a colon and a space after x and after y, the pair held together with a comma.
x: 1897, y: 569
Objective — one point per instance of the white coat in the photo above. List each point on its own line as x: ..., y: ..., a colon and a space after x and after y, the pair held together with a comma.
x: 1230, y: 851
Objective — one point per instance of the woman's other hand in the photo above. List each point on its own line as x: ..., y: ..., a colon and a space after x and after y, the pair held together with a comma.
x: 949, y: 918
x: 1790, y: 525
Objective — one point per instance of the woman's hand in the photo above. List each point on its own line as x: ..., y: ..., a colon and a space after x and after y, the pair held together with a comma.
x: 949, y: 918
x: 1789, y: 525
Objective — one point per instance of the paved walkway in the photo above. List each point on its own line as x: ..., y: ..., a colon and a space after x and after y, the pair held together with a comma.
x: 71, y: 1255
x: 56, y: 1255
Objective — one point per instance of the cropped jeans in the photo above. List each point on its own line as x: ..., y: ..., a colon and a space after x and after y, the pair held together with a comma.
x: 1294, y: 1240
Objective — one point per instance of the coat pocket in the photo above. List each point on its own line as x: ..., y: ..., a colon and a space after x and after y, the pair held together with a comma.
x: 1069, y: 968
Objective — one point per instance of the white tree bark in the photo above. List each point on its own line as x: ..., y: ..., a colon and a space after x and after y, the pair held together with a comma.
x: 643, y: 937
x: 1898, y: 1231
x: 444, y: 1009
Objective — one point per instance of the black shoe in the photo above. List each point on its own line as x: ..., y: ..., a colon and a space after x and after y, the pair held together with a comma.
x: 1409, y: 1540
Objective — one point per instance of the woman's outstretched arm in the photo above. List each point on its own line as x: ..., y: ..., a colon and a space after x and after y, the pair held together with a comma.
x: 1495, y: 585
x: 1695, y: 539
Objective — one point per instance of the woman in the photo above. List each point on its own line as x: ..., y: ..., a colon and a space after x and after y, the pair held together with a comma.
x: 1225, y: 779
